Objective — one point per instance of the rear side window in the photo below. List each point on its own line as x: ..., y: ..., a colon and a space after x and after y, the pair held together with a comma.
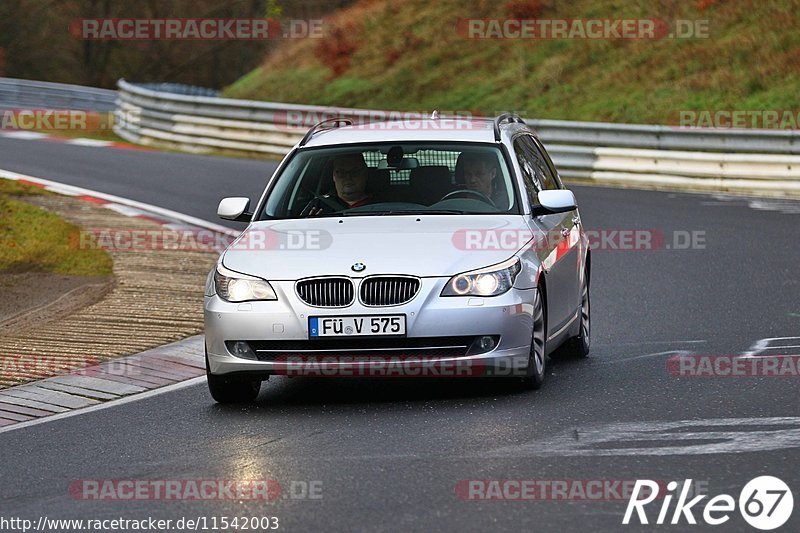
x: 548, y: 162
x: 543, y: 174
x: 532, y: 184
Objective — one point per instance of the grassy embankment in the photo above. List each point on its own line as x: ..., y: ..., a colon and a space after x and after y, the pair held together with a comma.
x: 34, y: 240
x: 408, y: 56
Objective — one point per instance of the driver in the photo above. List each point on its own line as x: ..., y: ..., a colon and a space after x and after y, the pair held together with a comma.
x: 479, y: 175
x: 350, y: 181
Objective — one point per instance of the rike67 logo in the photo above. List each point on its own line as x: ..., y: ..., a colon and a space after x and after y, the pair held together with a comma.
x: 765, y: 503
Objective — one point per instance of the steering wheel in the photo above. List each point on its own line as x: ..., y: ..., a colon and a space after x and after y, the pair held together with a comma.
x: 331, y: 202
x: 468, y: 192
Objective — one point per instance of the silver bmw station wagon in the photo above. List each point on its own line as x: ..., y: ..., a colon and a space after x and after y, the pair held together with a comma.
x: 388, y: 250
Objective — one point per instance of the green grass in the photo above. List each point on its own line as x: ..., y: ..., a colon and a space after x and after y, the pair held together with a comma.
x: 409, y: 56
x: 34, y: 240
x: 18, y: 188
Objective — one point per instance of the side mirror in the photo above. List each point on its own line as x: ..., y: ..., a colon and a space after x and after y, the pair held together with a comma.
x: 556, y: 201
x: 234, y: 208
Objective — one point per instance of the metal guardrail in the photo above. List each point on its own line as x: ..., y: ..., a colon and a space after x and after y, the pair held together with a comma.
x: 197, y: 120
x: 668, y: 137
x: 737, y: 172
x: 762, y: 161
x: 28, y: 94
x: 180, y: 88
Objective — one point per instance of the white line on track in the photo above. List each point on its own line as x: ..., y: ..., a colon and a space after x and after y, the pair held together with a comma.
x: 662, y: 438
x: 679, y: 353
x: 771, y: 343
x: 72, y: 190
x: 648, y: 342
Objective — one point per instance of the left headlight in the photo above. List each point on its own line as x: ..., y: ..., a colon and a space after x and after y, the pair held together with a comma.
x: 490, y: 281
x: 235, y: 287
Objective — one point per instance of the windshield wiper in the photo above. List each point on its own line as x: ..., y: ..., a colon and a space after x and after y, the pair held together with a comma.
x: 326, y: 215
x: 430, y: 212
x: 374, y: 214
x: 404, y: 212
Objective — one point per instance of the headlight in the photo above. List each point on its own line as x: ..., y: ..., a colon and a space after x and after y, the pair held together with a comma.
x: 490, y: 281
x: 211, y: 290
x: 235, y: 287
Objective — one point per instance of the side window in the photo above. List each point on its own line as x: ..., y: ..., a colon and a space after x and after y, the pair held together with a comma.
x: 549, y: 162
x: 542, y: 169
x: 532, y: 186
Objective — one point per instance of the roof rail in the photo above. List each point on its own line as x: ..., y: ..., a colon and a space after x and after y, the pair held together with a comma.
x: 505, y: 117
x: 319, y: 126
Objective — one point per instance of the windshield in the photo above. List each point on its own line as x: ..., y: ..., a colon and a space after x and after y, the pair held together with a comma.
x: 393, y: 179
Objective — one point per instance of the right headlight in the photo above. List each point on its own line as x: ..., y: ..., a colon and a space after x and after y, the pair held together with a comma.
x: 490, y: 281
x: 235, y: 287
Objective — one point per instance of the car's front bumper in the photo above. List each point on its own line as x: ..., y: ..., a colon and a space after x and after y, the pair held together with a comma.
x: 428, y: 315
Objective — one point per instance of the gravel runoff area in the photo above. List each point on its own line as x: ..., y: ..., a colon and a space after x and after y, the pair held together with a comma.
x: 155, y: 298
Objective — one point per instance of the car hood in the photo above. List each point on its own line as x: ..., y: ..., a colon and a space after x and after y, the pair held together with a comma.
x: 424, y: 245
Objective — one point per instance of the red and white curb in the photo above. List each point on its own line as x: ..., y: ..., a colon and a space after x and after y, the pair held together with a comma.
x: 88, y: 387
x: 38, y: 136
x: 150, y: 372
x: 131, y: 208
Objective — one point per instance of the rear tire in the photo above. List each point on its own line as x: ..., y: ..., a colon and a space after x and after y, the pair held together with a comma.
x: 231, y: 389
x: 537, y: 358
x: 578, y: 346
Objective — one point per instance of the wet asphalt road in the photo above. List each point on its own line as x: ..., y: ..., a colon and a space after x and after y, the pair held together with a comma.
x: 390, y: 454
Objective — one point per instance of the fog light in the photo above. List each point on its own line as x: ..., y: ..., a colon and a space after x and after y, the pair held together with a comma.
x: 486, y: 343
x: 483, y: 344
x: 241, y: 349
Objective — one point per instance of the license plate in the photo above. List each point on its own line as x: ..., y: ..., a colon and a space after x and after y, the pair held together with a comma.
x: 356, y: 325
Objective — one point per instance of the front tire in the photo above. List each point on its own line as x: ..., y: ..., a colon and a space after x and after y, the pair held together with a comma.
x: 226, y: 389
x: 537, y: 358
